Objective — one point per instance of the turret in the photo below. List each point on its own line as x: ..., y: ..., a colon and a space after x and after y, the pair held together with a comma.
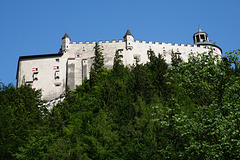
x: 200, y: 36
x: 65, y: 42
x: 128, y: 39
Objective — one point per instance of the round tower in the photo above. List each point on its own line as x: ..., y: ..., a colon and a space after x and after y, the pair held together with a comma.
x: 65, y: 42
x: 200, y: 38
x: 129, y: 39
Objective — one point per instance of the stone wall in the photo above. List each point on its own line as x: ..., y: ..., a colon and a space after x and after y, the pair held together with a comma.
x: 69, y: 68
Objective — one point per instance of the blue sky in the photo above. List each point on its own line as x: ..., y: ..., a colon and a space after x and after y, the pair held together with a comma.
x: 30, y: 27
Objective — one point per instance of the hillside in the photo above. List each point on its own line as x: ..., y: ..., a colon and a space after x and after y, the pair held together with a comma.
x: 188, y: 111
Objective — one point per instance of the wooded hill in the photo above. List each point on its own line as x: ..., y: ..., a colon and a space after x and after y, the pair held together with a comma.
x: 188, y: 111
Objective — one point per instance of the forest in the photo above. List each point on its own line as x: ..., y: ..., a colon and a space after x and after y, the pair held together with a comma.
x: 150, y: 111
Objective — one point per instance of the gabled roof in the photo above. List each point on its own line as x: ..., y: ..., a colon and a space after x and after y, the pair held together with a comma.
x: 128, y: 33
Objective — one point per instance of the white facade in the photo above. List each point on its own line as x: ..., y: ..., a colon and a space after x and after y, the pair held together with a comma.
x: 53, y: 72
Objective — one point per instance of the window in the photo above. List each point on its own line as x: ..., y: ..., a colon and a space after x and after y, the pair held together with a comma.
x: 57, y: 83
x: 56, y: 76
x: 55, y: 67
x: 35, y: 77
x: 120, y: 50
x: 84, y: 69
x: 202, y: 36
x: 57, y: 60
x: 198, y: 39
x: 29, y: 83
x: 35, y: 69
x: 137, y: 58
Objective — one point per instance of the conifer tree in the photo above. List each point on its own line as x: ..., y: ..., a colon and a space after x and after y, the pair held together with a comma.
x: 158, y: 68
x: 117, y: 64
x: 97, y: 66
x: 175, y: 59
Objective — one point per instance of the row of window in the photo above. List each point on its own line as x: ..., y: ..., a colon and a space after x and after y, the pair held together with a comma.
x: 54, y: 68
x: 35, y: 73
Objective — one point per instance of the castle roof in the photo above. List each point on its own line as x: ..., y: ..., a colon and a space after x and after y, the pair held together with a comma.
x: 65, y: 36
x: 36, y: 57
x: 128, y: 33
x: 200, y: 30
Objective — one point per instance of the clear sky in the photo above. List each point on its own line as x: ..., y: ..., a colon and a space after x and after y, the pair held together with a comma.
x: 31, y: 27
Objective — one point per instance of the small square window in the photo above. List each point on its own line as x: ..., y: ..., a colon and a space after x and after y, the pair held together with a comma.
x: 57, y: 60
x: 35, y: 77
x: 57, y: 75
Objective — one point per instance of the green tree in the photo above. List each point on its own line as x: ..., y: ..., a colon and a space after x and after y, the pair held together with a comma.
x: 158, y: 68
x: 97, y: 66
x: 21, y: 113
x: 176, y: 58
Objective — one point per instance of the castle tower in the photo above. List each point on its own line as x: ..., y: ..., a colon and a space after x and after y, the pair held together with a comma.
x: 200, y: 36
x: 129, y: 39
x: 65, y: 42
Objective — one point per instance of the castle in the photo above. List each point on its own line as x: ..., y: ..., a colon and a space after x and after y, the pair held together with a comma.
x: 53, y: 72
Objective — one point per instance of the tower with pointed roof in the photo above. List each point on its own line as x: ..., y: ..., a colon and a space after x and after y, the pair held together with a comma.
x: 65, y: 42
x: 128, y: 39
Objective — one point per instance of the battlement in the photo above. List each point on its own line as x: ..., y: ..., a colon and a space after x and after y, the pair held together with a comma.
x: 99, y: 42
x: 168, y: 44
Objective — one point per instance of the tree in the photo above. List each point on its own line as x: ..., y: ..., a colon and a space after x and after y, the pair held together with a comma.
x: 97, y: 66
x: 175, y: 58
x: 158, y: 68
x: 21, y: 113
x: 118, y: 66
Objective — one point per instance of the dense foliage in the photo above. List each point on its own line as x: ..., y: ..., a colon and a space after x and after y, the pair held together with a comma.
x: 147, y: 111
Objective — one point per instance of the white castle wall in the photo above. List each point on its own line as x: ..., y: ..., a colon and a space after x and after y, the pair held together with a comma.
x: 51, y: 87
x: 76, y: 55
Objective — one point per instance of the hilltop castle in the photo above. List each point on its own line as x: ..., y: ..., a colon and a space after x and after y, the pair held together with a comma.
x: 53, y: 72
